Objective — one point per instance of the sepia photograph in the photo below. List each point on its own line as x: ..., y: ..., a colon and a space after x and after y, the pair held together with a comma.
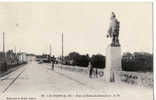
x: 76, y: 51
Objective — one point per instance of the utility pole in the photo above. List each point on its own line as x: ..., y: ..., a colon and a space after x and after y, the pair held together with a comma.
x: 4, y: 43
x: 4, y: 63
x: 15, y: 54
x: 50, y: 53
x: 15, y: 50
x: 62, y: 48
x: 50, y: 50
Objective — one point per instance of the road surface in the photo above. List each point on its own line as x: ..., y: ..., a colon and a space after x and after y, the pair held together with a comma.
x: 38, y: 80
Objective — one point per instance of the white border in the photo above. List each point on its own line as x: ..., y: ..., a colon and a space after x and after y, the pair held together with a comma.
x: 77, y: 0
x: 154, y: 15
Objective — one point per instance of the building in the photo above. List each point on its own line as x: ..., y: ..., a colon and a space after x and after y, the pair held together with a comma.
x: 22, y: 58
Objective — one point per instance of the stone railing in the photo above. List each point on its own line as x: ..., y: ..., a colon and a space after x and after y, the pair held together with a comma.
x: 83, y: 70
x: 135, y: 78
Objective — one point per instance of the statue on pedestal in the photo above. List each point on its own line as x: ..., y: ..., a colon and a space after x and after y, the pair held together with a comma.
x: 113, y: 31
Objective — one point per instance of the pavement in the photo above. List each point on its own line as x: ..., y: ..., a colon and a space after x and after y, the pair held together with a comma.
x: 38, y: 82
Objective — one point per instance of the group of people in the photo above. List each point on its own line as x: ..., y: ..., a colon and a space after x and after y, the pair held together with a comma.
x: 93, y: 72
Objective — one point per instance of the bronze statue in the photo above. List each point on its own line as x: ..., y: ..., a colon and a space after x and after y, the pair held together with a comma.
x: 113, y: 31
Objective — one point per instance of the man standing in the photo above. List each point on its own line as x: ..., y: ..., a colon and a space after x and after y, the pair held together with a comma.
x: 96, y: 73
x: 53, y: 62
x: 90, y: 70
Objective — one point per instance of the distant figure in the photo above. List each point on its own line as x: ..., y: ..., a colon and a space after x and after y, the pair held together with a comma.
x: 52, y: 65
x: 53, y: 62
x: 96, y: 73
x: 90, y: 70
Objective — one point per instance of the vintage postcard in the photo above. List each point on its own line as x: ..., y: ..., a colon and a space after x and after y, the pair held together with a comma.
x: 76, y: 51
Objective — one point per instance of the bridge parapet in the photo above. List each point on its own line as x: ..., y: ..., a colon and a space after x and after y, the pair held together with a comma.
x: 135, y: 78
x: 144, y: 79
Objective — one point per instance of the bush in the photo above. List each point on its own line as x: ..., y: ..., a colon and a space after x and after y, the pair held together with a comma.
x: 83, y: 61
x: 98, y: 61
x: 138, y: 61
x: 76, y: 59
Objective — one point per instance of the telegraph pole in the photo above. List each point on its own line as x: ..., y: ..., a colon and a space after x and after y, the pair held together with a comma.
x: 4, y: 63
x: 62, y: 48
x: 50, y: 53
x: 50, y: 50
x: 4, y: 43
x: 15, y: 50
x: 15, y: 54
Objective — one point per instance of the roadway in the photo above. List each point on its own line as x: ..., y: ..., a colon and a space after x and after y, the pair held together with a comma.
x: 37, y: 80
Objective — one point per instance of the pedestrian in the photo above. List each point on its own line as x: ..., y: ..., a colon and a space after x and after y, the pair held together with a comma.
x: 52, y: 65
x: 96, y: 73
x: 90, y: 70
x: 53, y: 62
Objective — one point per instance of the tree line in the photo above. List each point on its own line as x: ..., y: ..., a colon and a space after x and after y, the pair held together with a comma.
x: 137, y: 61
x: 9, y: 59
x: 76, y: 59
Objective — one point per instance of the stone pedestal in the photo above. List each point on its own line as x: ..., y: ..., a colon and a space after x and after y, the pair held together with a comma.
x: 113, y: 63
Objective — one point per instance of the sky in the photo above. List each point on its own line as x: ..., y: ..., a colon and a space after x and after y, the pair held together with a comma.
x: 33, y: 26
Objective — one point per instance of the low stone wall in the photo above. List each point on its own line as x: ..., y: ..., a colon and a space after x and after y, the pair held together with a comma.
x: 133, y: 78
x: 83, y: 70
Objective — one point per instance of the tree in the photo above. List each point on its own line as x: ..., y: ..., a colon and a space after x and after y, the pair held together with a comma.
x: 138, y: 61
x: 98, y: 61
x: 83, y: 60
x: 77, y: 59
x: 74, y: 56
x: 10, y: 57
x: 128, y: 61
